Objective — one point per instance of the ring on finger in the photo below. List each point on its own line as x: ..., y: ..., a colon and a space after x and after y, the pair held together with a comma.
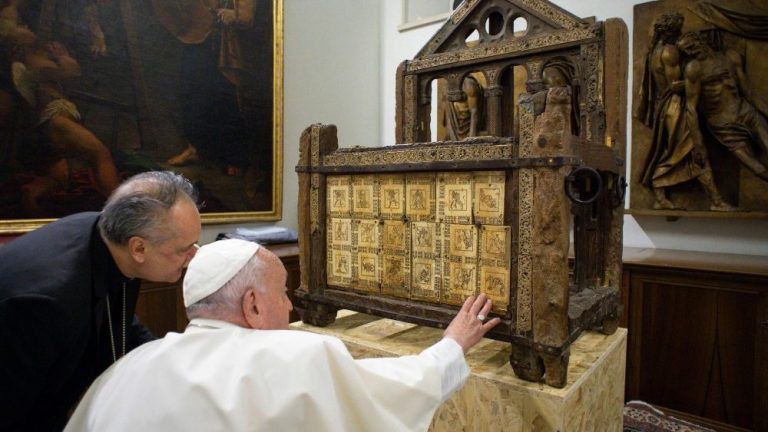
x: 481, y: 317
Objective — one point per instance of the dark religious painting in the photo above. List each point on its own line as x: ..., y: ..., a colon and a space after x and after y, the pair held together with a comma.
x: 94, y: 91
x: 700, y: 109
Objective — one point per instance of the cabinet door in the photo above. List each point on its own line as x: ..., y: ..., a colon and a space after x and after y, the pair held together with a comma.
x: 697, y: 345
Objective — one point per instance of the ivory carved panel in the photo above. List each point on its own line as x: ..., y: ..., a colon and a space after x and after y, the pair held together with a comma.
x: 432, y: 237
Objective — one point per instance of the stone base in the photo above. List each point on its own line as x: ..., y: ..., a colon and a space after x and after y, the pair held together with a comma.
x: 493, y: 399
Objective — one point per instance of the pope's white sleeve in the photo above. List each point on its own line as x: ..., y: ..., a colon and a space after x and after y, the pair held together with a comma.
x: 449, y: 357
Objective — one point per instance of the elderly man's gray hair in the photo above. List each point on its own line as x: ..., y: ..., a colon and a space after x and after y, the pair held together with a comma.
x: 227, y: 301
x: 138, y: 206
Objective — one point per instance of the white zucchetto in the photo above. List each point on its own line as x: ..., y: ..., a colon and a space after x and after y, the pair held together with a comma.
x: 213, y: 266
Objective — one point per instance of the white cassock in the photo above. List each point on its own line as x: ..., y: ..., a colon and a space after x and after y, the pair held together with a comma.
x: 217, y: 376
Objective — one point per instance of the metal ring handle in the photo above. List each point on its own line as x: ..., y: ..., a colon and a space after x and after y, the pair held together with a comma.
x: 583, y: 185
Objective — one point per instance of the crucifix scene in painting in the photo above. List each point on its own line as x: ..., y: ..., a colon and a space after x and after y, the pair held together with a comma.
x: 94, y: 91
x: 700, y: 127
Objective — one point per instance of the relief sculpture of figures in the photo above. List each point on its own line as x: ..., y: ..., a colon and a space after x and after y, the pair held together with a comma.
x: 464, y: 116
x: 392, y: 199
x: 495, y: 244
x: 488, y: 200
x: 458, y: 201
x: 715, y: 83
x: 465, y: 278
x: 558, y: 76
x: 394, y: 270
x: 677, y: 152
x: 362, y: 198
x: 369, y: 266
x: 341, y: 265
x: 423, y: 274
x: 367, y: 235
x: 700, y: 134
x: 494, y: 284
x: 417, y: 200
x: 559, y: 97
x: 339, y: 198
x: 423, y: 237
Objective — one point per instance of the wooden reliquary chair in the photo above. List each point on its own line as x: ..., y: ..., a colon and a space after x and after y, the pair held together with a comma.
x: 510, y: 130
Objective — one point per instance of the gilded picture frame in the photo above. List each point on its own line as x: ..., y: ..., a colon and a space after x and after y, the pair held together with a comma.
x: 193, y: 86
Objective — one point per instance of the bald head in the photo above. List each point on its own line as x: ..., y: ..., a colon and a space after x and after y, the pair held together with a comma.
x: 268, y: 270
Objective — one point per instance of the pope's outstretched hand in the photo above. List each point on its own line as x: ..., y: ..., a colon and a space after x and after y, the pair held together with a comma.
x: 469, y: 325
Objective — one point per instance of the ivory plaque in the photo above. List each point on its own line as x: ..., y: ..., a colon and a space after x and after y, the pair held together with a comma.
x: 395, y: 259
x: 420, y: 197
x: 489, y: 197
x: 365, y: 269
x: 455, y: 198
x: 460, y: 273
x: 339, y: 196
x: 495, y: 257
x: 340, y: 252
x: 392, y: 196
x: 364, y: 199
x: 427, y: 264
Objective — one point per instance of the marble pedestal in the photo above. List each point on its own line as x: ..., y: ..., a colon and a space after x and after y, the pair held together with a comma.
x: 493, y: 399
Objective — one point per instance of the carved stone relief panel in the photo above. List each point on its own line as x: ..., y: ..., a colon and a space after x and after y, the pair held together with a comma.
x: 700, y: 120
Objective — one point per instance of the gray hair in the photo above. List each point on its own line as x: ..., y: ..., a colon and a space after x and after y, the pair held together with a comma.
x: 138, y: 207
x: 227, y: 300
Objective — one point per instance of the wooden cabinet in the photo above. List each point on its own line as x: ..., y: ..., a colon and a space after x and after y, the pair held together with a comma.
x: 160, y: 306
x: 698, y: 335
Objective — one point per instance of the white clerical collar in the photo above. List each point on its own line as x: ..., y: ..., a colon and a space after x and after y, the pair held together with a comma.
x: 207, y: 323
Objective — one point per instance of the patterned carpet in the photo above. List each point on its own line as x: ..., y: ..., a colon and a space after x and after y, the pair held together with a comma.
x: 642, y: 417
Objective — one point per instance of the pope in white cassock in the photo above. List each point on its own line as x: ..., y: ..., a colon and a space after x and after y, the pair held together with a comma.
x: 237, y: 367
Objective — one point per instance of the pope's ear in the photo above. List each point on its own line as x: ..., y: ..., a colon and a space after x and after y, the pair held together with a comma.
x: 137, y: 248
x: 250, y: 309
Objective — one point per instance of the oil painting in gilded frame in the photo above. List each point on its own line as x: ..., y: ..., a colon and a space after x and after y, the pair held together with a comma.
x: 94, y: 91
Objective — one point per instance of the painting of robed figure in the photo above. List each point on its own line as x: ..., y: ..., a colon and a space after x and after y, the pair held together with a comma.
x: 94, y: 91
